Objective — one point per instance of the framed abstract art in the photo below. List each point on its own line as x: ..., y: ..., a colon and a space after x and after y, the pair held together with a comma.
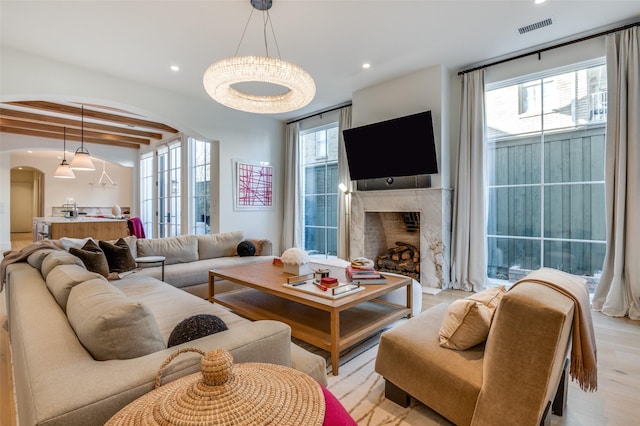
x: 253, y: 189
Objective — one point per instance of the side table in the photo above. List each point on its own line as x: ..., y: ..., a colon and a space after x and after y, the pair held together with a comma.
x: 152, y: 259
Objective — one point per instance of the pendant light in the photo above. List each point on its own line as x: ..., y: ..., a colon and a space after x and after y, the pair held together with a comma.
x: 64, y: 171
x: 82, y: 159
x: 221, y: 77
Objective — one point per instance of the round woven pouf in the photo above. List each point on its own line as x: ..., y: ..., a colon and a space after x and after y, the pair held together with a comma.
x: 227, y: 394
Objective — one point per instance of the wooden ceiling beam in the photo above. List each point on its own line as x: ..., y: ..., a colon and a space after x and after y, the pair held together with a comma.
x: 60, y: 136
x: 69, y: 123
x: 19, y: 124
x: 98, y: 115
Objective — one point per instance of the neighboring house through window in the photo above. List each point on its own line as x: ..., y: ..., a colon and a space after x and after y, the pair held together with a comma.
x: 546, y: 173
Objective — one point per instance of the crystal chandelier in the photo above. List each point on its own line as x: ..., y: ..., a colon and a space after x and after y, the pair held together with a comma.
x: 219, y: 79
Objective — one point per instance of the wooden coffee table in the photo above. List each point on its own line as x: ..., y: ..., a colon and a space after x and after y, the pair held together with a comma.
x: 329, y: 324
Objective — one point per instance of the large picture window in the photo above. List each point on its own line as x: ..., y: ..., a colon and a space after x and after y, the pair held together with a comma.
x: 319, y: 178
x: 546, y: 140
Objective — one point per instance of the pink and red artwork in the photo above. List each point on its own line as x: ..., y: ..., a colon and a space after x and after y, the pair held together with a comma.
x: 254, y: 186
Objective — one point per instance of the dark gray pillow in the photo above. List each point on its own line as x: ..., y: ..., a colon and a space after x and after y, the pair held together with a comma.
x: 246, y: 248
x: 118, y: 255
x: 92, y: 257
x: 195, y: 327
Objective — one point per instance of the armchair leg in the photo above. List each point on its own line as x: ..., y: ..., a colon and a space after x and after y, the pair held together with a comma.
x: 395, y: 394
x: 560, y: 400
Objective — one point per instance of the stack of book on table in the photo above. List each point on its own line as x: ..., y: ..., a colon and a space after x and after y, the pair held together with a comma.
x: 364, y: 274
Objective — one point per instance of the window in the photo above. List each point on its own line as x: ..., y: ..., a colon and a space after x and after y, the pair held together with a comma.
x: 546, y: 174
x: 319, y: 179
x: 147, y: 186
x: 169, y: 190
x: 200, y: 195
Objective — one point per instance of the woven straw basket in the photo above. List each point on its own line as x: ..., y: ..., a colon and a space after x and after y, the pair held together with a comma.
x: 227, y: 394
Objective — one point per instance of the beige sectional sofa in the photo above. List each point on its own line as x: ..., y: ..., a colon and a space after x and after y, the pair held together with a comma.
x: 190, y: 257
x: 52, y: 300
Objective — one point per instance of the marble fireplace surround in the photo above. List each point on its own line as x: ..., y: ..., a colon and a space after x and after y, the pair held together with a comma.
x: 434, y: 206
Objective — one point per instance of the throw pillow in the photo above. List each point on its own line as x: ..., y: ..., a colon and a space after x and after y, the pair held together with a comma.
x: 109, y: 324
x: 465, y: 325
x: 92, y: 257
x: 63, y: 278
x: 246, y: 248
x: 118, y: 256
x: 490, y: 297
x: 195, y: 327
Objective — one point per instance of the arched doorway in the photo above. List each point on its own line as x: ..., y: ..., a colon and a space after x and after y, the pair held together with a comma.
x: 27, y: 196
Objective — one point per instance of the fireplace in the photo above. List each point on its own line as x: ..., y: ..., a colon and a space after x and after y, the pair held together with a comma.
x: 420, y: 218
x: 392, y: 240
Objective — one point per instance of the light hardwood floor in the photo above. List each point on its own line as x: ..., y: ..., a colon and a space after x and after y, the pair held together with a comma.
x: 616, y: 402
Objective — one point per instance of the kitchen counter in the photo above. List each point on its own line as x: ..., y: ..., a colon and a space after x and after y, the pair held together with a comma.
x: 99, y: 228
x: 81, y: 218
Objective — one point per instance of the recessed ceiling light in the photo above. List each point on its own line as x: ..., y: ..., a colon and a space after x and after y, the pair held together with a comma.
x: 366, y: 65
x: 538, y: 1
x: 175, y: 68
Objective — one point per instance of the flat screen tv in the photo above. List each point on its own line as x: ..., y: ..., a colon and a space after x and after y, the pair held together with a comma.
x: 402, y: 146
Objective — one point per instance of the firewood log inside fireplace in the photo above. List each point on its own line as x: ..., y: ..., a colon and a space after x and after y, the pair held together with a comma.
x: 402, y: 259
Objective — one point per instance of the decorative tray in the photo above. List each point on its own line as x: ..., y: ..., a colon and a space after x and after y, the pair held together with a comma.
x: 307, y: 284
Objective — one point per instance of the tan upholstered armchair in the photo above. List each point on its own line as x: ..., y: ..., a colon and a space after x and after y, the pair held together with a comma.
x: 516, y: 377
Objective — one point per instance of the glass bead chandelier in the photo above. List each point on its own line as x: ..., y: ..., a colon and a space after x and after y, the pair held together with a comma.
x: 219, y: 79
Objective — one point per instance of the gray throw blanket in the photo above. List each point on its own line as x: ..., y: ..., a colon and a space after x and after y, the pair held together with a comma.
x: 21, y: 255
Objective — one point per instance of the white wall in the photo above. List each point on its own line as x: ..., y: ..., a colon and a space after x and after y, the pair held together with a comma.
x: 242, y: 135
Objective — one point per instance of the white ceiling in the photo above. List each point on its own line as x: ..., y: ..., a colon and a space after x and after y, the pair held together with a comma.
x: 139, y: 40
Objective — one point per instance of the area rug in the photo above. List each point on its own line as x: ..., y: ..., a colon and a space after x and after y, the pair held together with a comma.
x: 361, y: 390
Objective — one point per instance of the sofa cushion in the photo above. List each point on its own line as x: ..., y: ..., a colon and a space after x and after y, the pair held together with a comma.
x: 218, y: 245
x: 195, y: 327
x: 465, y: 325
x: 118, y: 255
x: 58, y: 258
x: 36, y: 258
x: 63, y: 278
x: 180, y: 249
x: 92, y: 257
x: 67, y: 242
x: 109, y: 324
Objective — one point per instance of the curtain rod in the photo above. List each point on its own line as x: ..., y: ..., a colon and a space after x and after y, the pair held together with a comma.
x: 333, y: 108
x: 539, y: 51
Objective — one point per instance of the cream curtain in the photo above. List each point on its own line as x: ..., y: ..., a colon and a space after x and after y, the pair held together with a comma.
x: 344, y: 200
x: 618, y: 293
x: 469, y: 236
x: 291, y: 228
